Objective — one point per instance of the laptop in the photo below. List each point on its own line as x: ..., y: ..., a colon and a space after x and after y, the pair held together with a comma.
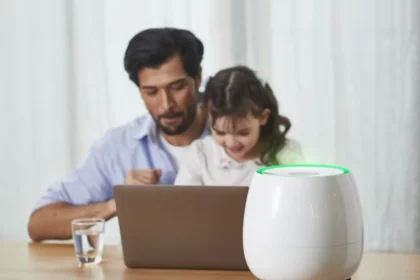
x: 186, y: 227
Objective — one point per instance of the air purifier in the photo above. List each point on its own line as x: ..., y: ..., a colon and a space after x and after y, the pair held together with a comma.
x: 303, y: 222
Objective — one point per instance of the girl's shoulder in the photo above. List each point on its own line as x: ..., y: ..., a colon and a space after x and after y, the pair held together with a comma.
x: 291, y: 153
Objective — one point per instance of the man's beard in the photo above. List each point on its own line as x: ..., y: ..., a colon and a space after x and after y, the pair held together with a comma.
x: 187, y: 120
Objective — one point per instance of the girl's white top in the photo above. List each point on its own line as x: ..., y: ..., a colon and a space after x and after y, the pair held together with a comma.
x: 207, y: 163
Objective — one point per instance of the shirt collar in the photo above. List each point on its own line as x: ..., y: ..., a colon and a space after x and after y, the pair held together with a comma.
x: 144, y: 126
x: 226, y: 162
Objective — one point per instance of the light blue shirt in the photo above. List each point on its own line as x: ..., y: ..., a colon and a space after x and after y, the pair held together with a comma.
x: 135, y: 145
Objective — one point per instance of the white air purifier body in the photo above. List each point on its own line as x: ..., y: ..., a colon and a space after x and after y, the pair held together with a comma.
x: 303, y: 222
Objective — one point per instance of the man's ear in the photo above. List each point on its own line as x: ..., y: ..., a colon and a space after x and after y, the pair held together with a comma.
x: 198, y: 79
x: 264, y: 116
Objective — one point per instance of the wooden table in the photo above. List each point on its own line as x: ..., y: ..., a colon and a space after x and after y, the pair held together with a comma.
x: 57, y: 261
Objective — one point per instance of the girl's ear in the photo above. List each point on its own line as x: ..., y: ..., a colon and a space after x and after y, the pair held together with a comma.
x: 264, y: 116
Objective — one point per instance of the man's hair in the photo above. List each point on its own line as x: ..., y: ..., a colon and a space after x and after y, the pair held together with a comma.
x: 153, y: 47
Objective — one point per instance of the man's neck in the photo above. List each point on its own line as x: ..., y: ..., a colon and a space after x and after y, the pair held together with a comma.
x: 193, y: 132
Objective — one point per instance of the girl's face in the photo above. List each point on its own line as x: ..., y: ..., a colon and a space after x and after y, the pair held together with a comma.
x: 239, y: 135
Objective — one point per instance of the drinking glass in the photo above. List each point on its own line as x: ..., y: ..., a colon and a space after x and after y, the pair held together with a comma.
x: 88, y: 237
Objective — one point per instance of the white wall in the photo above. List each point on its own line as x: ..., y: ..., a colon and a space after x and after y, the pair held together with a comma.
x: 345, y: 72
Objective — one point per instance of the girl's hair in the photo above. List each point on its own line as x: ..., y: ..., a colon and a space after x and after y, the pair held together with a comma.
x: 236, y: 92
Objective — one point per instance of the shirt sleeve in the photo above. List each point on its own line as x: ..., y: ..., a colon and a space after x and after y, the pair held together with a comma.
x: 291, y: 153
x: 190, y: 169
x: 88, y: 183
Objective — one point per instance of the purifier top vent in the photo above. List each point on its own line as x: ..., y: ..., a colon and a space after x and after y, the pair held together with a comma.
x: 303, y: 170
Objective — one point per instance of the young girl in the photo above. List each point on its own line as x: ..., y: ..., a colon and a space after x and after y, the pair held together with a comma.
x: 247, y: 132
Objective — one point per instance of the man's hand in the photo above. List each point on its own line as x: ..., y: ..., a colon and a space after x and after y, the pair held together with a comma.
x: 143, y: 177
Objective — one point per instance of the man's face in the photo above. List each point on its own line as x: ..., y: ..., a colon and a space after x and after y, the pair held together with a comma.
x: 170, y: 95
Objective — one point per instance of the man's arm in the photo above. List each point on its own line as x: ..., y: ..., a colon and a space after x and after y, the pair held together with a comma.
x: 53, y: 221
x: 85, y: 192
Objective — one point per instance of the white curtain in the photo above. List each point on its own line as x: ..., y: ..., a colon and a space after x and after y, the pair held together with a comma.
x: 346, y: 72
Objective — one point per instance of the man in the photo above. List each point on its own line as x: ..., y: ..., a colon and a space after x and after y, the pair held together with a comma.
x: 165, y: 64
